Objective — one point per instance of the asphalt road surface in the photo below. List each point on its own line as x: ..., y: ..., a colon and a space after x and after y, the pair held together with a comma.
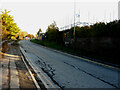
x: 71, y: 72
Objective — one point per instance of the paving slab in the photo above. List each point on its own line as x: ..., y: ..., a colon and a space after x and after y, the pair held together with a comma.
x: 13, y: 71
x: 14, y: 79
x: 5, y: 72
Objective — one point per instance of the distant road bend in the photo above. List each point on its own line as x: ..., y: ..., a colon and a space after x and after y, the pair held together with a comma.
x: 70, y: 72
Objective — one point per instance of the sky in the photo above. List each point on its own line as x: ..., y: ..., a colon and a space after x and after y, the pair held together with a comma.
x: 30, y: 15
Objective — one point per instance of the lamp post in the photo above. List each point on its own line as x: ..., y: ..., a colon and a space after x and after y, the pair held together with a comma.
x: 74, y: 17
x: 119, y: 10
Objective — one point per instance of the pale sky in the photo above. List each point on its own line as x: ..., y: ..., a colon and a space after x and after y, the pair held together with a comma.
x: 30, y: 15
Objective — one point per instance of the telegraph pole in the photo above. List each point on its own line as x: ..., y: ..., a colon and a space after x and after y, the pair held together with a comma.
x: 119, y: 10
x: 74, y: 17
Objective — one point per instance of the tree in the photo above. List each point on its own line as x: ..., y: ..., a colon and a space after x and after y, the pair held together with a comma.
x: 22, y: 34
x: 9, y: 28
x: 30, y: 36
x: 38, y: 33
x: 40, y: 30
x: 52, y: 32
x: 0, y: 28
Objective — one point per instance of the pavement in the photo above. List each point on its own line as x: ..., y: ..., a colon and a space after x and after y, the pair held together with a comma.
x: 9, y: 74
x: 0, y: 73
x: 13, y: 73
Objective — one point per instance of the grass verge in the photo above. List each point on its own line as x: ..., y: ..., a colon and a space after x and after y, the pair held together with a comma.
x: 52, y: 45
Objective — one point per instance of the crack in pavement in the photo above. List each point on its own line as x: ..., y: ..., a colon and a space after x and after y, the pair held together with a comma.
x: 91, y: 75
x: 46, y: 67
x: 42, y: 64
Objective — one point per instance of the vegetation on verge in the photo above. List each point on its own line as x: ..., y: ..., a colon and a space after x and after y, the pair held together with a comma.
x: 101, y: 29
x: 52, y: 32
x: 53, y: 45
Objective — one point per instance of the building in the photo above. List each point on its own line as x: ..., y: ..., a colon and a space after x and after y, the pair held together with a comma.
x: 119, y: 10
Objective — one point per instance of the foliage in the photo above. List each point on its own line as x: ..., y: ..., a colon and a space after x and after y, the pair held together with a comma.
x: 38, y: 33
x: 22, y: 34
x: 9, y: 28
x: 100, y: 29
x: 52, y: 32
x: 30, y: 36
x: 113, y: 29
x: 0, y: 28
x: 52, y: 45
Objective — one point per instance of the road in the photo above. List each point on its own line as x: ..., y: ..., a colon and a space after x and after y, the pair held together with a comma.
x: 68, y: 71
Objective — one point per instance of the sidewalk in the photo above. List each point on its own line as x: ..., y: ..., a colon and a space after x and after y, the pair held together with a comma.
x: 0, y: 73
x: 13, y: 73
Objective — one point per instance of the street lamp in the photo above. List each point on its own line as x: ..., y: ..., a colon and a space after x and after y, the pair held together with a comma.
x: 74, y: 17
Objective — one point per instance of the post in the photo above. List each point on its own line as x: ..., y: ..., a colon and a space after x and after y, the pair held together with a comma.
x: 74, y: 17
x: 119, y: 10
